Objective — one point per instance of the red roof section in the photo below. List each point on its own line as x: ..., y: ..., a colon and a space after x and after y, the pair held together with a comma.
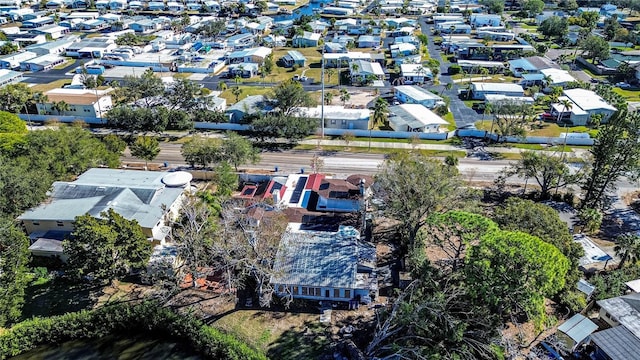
x: 314, y: 181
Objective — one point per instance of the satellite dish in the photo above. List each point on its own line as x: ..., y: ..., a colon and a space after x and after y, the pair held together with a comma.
x: 177, y: 179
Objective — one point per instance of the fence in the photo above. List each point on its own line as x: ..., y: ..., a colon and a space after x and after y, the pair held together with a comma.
x: 570, y: 140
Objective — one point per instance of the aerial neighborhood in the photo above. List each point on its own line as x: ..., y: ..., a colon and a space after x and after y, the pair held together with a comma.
x: 315, y: 179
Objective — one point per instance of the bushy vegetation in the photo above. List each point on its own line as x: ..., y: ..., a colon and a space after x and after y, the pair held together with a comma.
x: 123, y: 319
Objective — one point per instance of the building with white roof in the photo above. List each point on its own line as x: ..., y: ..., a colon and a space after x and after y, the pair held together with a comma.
x: 415, y: 73
x: 414, y: 118
x: 9, y: 77
x: 410, y: 94
x: 363, y: 72
x: 82, y: 102
x: 149, y: 197
x: 12, y: 61
x: 584, y: 105
x: 558, y: 77
x: 338, y: 117
x: 479, y: 90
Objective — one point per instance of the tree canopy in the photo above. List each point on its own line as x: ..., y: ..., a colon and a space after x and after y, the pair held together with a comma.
x: 106, y: 248
x: 12, y: 131
x: 414, y: 186
x: 14, y: 257
x: 595, y: 48
x: 278, y: 126
x: 513, y: 272
x: 616, y: 153
x: 290, y: 95
x: 554, y: 26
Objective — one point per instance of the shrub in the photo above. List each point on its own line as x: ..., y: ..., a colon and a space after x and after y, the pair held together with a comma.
x: 454, y: 69
x: 123, y: 319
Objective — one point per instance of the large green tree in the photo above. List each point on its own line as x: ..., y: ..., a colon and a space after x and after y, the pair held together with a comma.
x: 145, y: 148
x: 595, y: 48
x: 14, y: 257
x: 12, y: 131
x: 616, y: 153
x: 513, y: 272
x: 144, y: 88
x: 201, y: 151
x: 413, y: 187
x: 511, y: 117
x: 627, y: 248
x: 454, y: 231
x: 279, y: 126
x: 237, y: 150
x: 14, y: 97
x: 548, y: 170
x: 533, y: 7
x: 554, y: 26
x: 289, y: 95
x: 106, y: 248
x: 538, y: 220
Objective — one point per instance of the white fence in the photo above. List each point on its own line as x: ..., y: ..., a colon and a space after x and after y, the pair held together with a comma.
x: 570, y: 140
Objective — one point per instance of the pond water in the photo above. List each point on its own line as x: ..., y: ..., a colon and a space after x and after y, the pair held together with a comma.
x: 112, y: 348
x: 303, y: 10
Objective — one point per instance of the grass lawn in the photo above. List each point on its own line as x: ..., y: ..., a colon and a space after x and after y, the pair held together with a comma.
x: 52, y: 85
x: 629, y: 95
x: 246, y: 91
x: 374, y: 150
x: 69, y: 62
x: 47, y: 298
x: 405, y: 141
x: 182, y: 75
x: 280, y: 335
x: 545, y: 130
x: 527, y: 26
x: 312, y: 70
x: 452, y: 122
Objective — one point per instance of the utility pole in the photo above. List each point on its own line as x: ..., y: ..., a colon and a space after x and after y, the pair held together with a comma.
x: 322, y: 96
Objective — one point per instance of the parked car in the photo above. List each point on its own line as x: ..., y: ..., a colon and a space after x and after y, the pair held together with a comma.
x: 300, y: 78
x: 623, y: 85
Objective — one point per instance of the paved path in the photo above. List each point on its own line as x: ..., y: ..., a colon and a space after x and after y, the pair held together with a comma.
x: 461, y: 113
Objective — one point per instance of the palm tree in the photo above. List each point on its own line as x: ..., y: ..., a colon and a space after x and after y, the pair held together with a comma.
x: 330, y: 73
x: 344, y: 96
x: 222, y: 86
x: 60, y: 106
x: 566, y: 105
x: 447, y: 86
x: 328, y: 98
x: 380, y: 111
x: 236, y: 91
x: 627, y: 248
x: 354, y: 68
x: 547, y: 80
x: 484, y: 72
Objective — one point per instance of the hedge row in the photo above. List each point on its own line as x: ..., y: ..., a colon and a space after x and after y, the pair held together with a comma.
x: 146, y: 318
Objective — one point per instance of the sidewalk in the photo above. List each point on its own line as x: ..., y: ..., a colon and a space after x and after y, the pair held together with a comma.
x: 439, y: 147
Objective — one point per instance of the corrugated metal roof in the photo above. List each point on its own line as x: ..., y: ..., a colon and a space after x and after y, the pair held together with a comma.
x: 578, y: 327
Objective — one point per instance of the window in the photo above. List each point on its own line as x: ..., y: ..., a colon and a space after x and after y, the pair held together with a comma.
x: 59, y: 223
x: 295, y: 290
x: 333, y: 121
x: 305, y: 290
x: 347, y: 293
x: 280, y: 288
x: 36, y: 223
x: 336, y: 293
x: 344, y: 122
x: 327, y: 293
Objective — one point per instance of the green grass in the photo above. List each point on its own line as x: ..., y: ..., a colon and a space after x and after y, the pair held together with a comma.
x: 278, y: 334
x: 452, y: 122
x: 69, y: 62
x: 386, y: 151
x: 246, y: 91
x: 629, y: 95
x: 52, y: 85
x: 528, y: 26
x: 404, y: 141
x: 544, y: 129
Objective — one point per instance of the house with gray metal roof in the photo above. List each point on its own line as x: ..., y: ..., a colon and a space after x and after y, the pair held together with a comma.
x: 148, y: 197
x: 575, y: 331
x: 326, y: 266
x: 622, y: 310
x: 616, y: 343
x: 293, y: 58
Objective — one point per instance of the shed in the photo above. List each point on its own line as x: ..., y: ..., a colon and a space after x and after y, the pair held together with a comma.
x: 576, y: 331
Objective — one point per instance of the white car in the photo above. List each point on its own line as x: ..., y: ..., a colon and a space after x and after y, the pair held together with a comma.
x: 300, y: 78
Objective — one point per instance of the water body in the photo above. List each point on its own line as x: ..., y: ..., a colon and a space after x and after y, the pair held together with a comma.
x: 303, y: 10
x: 111, y: 347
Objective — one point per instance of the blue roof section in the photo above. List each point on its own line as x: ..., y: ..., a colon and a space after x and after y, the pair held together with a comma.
x: 522, y: 64
x: 533, y: 77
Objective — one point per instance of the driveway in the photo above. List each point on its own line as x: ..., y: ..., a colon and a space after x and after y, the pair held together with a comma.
x: 461, y: 113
